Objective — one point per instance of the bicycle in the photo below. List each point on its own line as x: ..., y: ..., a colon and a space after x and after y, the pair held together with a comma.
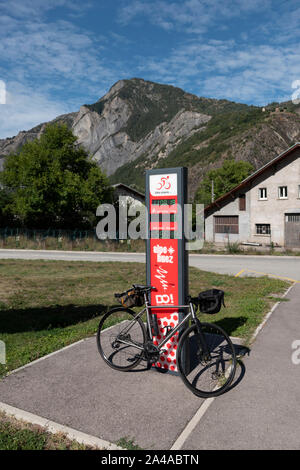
x: 124, y: 340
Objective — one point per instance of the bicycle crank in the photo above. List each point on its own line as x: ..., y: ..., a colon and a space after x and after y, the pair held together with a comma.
x: 151, y: 351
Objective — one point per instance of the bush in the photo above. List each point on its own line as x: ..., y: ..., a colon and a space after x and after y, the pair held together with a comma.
x: 233, y: 248
x: 53, y: 182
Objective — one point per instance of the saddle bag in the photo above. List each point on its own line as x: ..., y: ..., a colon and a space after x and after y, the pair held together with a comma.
x: 130, y: 298
x: 211, y: 301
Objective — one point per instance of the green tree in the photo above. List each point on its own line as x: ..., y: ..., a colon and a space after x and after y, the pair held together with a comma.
x: 224, y: 179
x: 53, y: 182
x: 6, y: 217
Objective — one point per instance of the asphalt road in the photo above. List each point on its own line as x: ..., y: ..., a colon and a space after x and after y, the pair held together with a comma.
x: 277, y: 266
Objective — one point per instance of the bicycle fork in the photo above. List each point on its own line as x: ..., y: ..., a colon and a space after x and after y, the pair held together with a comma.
x: 203, y: 351
x: 205, y: 355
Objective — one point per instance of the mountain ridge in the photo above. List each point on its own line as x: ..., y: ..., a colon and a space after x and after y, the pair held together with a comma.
x: 140, y: 124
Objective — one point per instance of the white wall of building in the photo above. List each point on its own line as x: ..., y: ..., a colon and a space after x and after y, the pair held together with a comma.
x: 232, y: 208
x: 270, y: 211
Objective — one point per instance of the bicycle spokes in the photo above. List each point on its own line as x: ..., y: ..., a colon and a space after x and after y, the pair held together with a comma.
x: 210, y: 360
x: 122, y: 344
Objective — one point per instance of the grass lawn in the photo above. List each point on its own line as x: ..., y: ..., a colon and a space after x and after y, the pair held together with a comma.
x: 46, y: 305
x: 18, y: 435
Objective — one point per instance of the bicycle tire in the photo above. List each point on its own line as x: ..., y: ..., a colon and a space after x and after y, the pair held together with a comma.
x: 216, y: 383
x: 111, y: 323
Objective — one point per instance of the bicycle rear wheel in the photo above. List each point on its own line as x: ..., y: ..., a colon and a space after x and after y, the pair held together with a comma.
x: 210, y: 372
x: 119, y: 337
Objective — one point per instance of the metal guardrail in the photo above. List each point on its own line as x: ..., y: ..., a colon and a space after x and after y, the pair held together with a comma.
x: 16, y: 237
x: 43, y: 234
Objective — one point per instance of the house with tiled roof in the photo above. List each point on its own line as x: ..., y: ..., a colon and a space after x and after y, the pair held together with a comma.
x: 263, y: 210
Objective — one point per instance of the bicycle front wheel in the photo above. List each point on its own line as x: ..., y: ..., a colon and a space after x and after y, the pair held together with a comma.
x: 211, y: 363
x: 120, y: 339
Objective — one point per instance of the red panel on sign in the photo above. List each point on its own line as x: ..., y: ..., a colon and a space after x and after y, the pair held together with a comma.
x: 163, y: 259
x: 164, y: 273
x: 164, y: 277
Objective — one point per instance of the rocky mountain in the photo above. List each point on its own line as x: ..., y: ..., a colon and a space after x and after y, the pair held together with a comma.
x: 140, y: 124
x: 14, y: 144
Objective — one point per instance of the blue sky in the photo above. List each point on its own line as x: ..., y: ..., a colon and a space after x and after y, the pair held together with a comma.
x: 56, y: 55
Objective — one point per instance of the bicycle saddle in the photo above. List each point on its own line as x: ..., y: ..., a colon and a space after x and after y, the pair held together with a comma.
x: 143, y: 288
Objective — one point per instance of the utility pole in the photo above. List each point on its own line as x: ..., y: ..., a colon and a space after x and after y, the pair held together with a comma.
x: 212, y: 191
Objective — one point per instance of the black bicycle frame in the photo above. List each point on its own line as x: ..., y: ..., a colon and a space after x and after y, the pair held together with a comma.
x: 171, y: 333
x: 173, y: 330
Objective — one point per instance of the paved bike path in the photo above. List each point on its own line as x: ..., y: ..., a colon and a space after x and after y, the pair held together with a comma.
x: 77, y: 389
x: 262, y: 411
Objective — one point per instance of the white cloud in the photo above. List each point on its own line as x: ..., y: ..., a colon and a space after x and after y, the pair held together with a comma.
x: 51, y: 67
x: 36, y: 8
x: 192, y: 16
x: 53, y: 49
x: 225, y: 70
x: 25, y: 108
x: 258, y: 68
x: 283, y: 25
x: 56, y: 66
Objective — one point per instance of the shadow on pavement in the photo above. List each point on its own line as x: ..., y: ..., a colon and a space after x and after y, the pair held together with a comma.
x: 239, y: 375
x: 231, y: 324
x: 58, y: 316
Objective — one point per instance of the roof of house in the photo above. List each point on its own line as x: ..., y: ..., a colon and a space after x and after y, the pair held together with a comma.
x: 254, y: 175
x: 129, y: 189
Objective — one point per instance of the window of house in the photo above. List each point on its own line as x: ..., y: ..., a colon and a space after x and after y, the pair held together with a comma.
x: 262, y: 193
x: 242, y: 202
x: 292, y: 218
x: 263, y: 229
x: 282, y: 192
x: 227, y: 224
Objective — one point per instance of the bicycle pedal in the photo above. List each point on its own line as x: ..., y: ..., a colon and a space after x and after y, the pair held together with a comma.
x: 242, y: 351
x: 133, y: 359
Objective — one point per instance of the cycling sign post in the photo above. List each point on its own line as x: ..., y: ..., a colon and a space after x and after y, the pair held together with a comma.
x: 166, y: 254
